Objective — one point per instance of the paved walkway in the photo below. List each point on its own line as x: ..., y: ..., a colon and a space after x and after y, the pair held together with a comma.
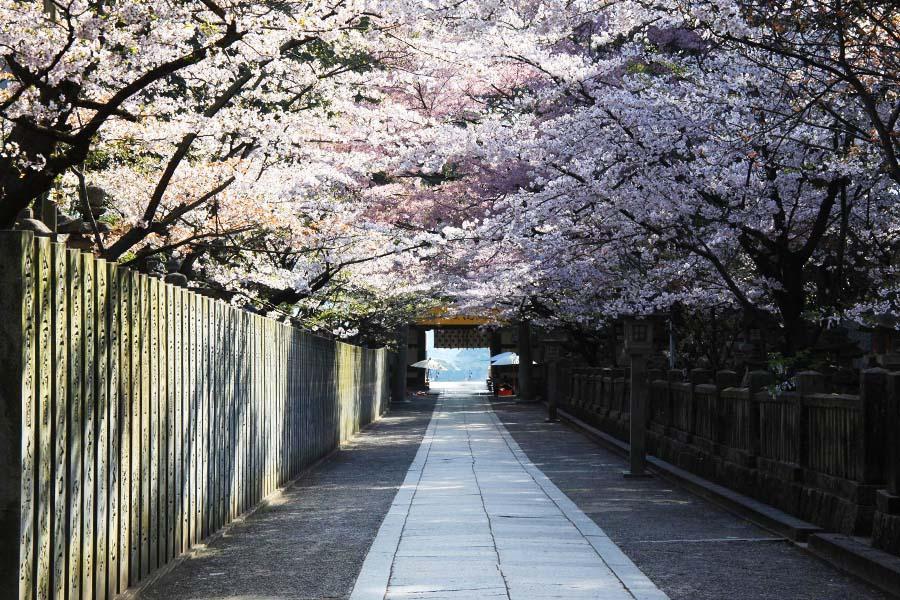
x: 476, y: 519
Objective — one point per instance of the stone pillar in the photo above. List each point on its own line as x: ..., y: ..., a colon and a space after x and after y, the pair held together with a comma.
x: 552, y: 383
x: 398, y: 393
x: 886, y: 525
x: 496, y: 347
x: 893, y: 440
x: 638, y: 345
x: 873, y: 395
x: 525, y: 367
x: 637, y: 456
x: 421, y: 354
x: 757, y: 382
x: 807, y: 383
x: 552, y: 391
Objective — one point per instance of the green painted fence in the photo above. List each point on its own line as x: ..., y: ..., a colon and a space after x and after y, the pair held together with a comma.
x: 137, y: 418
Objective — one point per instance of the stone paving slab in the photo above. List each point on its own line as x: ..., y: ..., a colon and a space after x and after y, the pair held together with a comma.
x: 688, y: 547
x: 481, y: 521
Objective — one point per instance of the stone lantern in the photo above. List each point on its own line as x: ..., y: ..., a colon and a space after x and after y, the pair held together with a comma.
x: 638, y: 346
x: 638, y: 336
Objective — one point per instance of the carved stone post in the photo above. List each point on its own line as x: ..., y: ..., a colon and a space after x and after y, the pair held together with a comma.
x: 638, y: 343
x: 551, y: 361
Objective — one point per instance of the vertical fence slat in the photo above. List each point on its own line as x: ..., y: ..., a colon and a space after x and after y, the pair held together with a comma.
x: 126, y: 400
x: 146, y: 415
x: 101, y: 435
x: 76, y: 402
x: 182, y: 309
x: 60, y: 418
x: 89, y: 397
x: 43, y: 318
x: 136, y: 360
x: 17, y: 402
x: 177, y: 348
x: 112, y: 451
x: 171, y: 394
x: 153, y: 427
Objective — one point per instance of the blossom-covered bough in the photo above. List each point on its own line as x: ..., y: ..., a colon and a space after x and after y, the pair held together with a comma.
x: 344, y: 163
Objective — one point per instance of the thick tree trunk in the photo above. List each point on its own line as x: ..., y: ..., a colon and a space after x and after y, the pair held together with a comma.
x: 19, y: 189
x: 791, y: 301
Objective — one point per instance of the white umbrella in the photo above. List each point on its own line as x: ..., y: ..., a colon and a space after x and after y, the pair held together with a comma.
x: 431, y: 363
x: 507, y: 358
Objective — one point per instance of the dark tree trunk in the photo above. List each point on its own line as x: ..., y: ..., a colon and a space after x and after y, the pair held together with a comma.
x: 19, y: 189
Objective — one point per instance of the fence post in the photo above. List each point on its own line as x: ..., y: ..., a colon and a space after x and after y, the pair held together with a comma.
x: 873, y: 395
x: 724, y: 418
x: 886, y: 527
x: 697, y: 377
x: 672, y: 376
x: 892, y: 467
x: 757, y: 381
x: 552, y: 390
x: 807, y: 383
x: 17, y: 414
x: 655, y: 407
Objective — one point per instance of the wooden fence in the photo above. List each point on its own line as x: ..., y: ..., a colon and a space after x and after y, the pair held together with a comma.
x: 137, y: 418
x: 833, y: 459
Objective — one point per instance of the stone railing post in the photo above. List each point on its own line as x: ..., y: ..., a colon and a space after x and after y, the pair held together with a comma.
x: 672, y: 376
x: 807, y: 383
x: 655, y: 403
x: 697, y: 377
x: 757, y: 381
x: 17, y: 413
x: 892, y: 470
x: 873, y: 396
x: 724, y: 418
x: 886, y: 526
x: 552, y: 390
x: 565, y: 379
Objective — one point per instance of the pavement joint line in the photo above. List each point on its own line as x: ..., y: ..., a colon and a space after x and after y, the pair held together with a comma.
x: 484, y: 508
x: 623, y: 568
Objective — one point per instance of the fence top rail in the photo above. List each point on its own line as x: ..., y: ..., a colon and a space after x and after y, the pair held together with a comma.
x: 737, y: 393
x: 849, y: 401
x: 782, y: 398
